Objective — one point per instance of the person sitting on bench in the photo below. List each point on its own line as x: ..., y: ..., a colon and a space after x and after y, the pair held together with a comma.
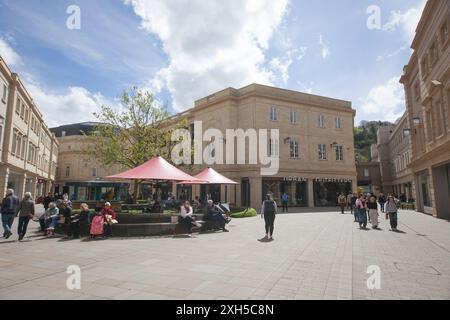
x: 215, y: 216
x: 186, y: 213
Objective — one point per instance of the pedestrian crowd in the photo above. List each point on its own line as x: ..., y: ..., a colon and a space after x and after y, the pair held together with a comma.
x: 366, y: 208
x: 58, y: 214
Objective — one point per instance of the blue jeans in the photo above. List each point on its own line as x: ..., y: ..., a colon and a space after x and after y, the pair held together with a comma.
x: 7, y: 221
x: 23, y: 224
x: 362, y: 217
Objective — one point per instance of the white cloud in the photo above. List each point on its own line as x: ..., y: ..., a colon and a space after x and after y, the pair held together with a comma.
x: 75, y: 104
x: 280, y: 65
x: 218, y: 44
x: 384, y: 102
x: 324, y: 48
x: 392, y: 54
x: 406, y: 21
x: 8, y: 53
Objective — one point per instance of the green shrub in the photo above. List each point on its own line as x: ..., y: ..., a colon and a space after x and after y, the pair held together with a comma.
x: 247, y: 213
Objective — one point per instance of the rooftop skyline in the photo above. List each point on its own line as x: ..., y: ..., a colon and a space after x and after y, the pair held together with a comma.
x: 314, y: 47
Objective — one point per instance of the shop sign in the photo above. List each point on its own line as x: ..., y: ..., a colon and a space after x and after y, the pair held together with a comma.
x: 337, y: 180
x: 295, y: 179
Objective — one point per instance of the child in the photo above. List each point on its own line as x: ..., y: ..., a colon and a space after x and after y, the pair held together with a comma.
x: 97, y: 225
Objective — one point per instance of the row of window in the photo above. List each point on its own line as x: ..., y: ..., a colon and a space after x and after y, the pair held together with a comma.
x: 295, y: 150
x: 432, y: 56
x: 24, y: 112
x: 273, y: 116
x: 437, y: 118
x: 19, y: 149
x: 93, y: 171
x: 402, y: 162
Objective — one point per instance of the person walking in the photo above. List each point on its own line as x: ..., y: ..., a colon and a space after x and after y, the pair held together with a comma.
x: 285, y: 201
x: 373, y: 212
x: 342, y: 200
x: 9, y: 208
x: 353, y: 206
x: 381, y: 201
x: 361, y: 209
x: 25, y: 212
x: 349, y: 201
x: 269, y: 211
x: 391, y: 212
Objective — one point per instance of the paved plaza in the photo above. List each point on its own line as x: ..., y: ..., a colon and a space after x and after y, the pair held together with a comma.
x: 320, y: 255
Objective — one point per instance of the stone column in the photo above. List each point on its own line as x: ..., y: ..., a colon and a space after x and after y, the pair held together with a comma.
x: 292, y: 195
x: 33, y: 187
x: 256, y: 193
x: 21, y: 189
x: 4, y: 177
x: 238, y: 195
x: 310, y: 193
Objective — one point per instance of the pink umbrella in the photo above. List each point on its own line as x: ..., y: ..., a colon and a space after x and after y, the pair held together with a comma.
x: 209, y: 176
x: 156, y: 169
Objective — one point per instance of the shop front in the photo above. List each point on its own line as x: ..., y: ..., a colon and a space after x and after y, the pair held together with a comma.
x: 327, y: 190
x: 424, y: 203
x: 296, y: 189
x: 210, y: 192
x: 88, y: 191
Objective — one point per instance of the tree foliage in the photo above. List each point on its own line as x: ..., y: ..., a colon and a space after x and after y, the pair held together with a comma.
x: 365, y: 136
x: 137, y: 132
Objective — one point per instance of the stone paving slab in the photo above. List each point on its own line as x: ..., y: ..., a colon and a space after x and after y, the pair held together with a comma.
x: 315, y: 255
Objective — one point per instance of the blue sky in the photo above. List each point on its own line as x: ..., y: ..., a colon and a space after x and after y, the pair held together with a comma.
x: 185, y: 50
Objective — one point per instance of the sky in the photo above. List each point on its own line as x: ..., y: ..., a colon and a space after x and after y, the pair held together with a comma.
x: 184, y: 50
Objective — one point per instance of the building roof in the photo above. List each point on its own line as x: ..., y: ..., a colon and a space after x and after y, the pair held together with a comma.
x: 75, y: 129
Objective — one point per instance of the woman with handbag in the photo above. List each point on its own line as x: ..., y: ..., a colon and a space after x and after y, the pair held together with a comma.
x: 373, y: 211
x: 361, y: 209
x: 186, y: 217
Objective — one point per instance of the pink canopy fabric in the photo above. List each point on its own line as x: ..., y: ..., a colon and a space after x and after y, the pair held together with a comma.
x: 209, y: 176
x: 156, y: 169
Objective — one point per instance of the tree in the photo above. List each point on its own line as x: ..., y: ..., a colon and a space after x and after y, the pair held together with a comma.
x: 141, y: 130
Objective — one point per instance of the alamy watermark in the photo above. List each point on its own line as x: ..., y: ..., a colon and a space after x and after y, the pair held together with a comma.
x: 73, y: 22
x: 374, y: 280
x: 241, y: 147
x: 73, y: 281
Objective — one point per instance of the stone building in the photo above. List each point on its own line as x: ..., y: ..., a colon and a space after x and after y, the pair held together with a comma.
x: 427, y: 95
x: 29, y: 151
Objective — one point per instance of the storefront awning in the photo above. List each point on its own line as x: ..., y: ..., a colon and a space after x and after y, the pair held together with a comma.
x: 210, y: 176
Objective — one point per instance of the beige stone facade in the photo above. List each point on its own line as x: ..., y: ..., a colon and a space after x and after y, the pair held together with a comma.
x: 427, y: 91
x: 306, y: 123
x: 29, y: 151
x: 393, y: 153
x: 78, y: 176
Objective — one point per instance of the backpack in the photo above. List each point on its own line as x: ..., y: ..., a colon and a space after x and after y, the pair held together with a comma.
x: 269, y: 206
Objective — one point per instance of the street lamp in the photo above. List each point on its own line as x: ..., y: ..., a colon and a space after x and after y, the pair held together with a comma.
x: 417, y: 121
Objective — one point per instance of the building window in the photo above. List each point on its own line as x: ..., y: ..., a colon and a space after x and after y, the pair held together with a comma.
x: 273, y: 148
x: 294, y: 149
x: 22, y: 110
x: 67, y: 171
x: 94, y: 172
x: 433, y: 53
x: 417, y: 91
x: 444, y: 33
x: 321, y: 121
x: 366, y: 172
x: 18, y: 106
x: 339, y: 153
x: 24, y: 148
x: 293, y: 117
x: 14, y: 142
x: 424, y: 67
x: 337, y: 123
x: 5, y: 93
x: 273, y: 114
x: 439, y: 118
x: 322, y: 152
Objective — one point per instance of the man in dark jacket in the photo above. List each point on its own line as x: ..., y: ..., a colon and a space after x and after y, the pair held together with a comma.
x: 9, y: 207
x: 26, y: 213
x: 215, y: 216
